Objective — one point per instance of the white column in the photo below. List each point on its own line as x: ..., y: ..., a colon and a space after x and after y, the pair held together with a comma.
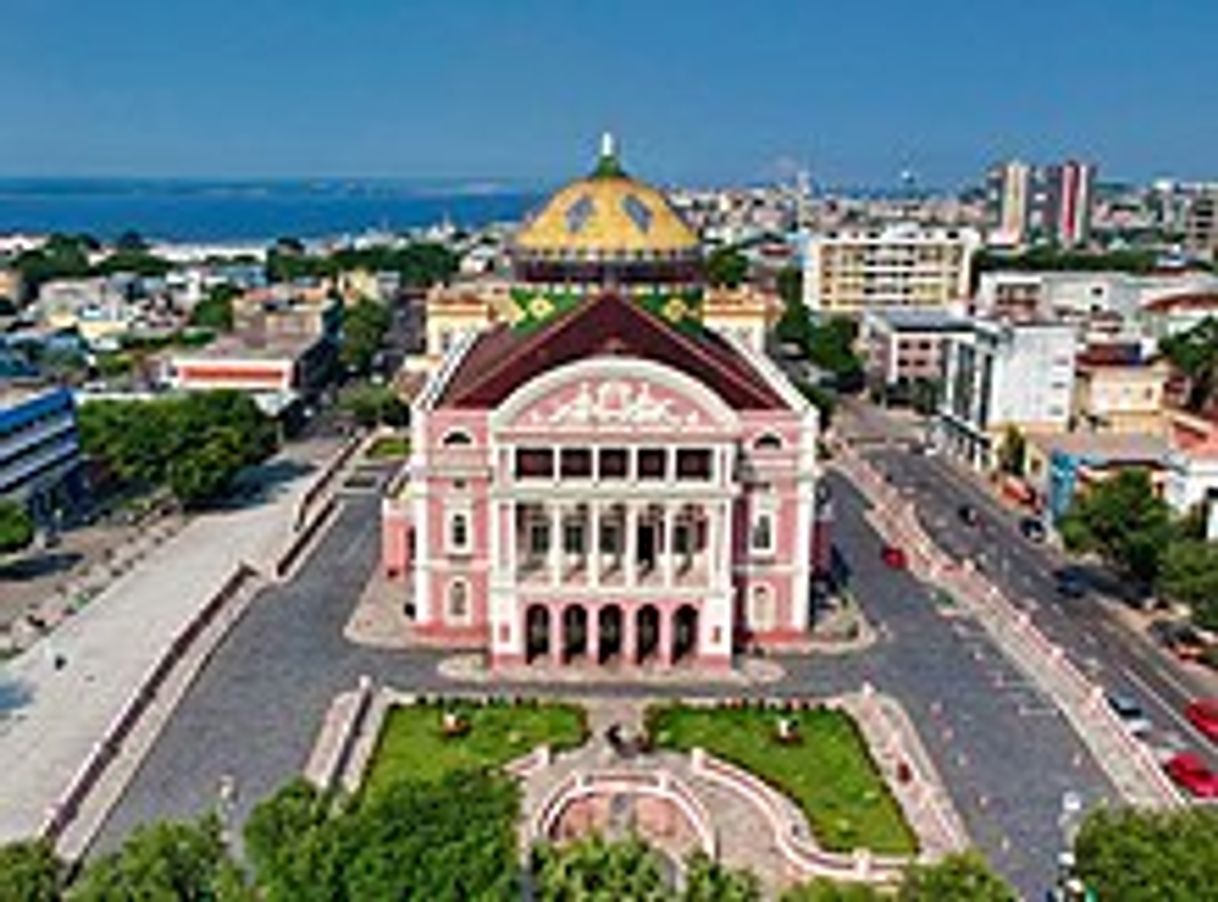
x: 632, y: 543
x: 714, y: 539
x: 725, y: 562
x: 513, y: 564
x: 593, y: 556
x: 555, y: 542
x: 670, y: 555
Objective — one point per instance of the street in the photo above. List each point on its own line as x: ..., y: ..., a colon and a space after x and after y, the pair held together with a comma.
x: 1088, y: 628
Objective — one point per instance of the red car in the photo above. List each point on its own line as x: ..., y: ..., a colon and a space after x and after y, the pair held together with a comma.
x: 1188, y: 770
x: 1203, y: 715
x: 894, y: 557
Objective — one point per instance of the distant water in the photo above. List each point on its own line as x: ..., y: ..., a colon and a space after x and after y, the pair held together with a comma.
x: 198, y: 210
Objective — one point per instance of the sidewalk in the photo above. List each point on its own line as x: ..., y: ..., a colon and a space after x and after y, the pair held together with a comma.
x: 58, y: 697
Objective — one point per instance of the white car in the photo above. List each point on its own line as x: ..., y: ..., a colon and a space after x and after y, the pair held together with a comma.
x: 1130, y: 714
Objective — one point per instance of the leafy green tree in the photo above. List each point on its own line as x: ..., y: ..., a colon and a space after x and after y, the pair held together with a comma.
x: 373, y: 405
x: 169, y: 860
x: 1124, y: 521
x: 706, y: 880
x: 822, y: 890
x: 1195, y: 353
x: 216, y: 310
x: 1128, y: 855
x: 1012, y: 452
x: 364, y: 327
x: 964, y: 877
x: 292, y: 847
x: 129, y: 260
x: 16, y: 527
x: 1188, y: 573
x: 831, y: 347
x: 30, y: 872
x: 726, y: 267
x: 599, y: 871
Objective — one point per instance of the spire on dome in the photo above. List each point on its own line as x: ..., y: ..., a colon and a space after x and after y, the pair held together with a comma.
x: 607, y: 166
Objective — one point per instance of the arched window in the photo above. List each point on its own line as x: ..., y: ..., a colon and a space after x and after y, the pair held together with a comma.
x: 768, y: 442
x: 458, y: 601
x: 761, y: 608
x: 457, y: 438
x: 761, y: 537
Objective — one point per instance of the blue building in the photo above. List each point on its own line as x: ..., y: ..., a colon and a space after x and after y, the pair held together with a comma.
x: 40, y: 459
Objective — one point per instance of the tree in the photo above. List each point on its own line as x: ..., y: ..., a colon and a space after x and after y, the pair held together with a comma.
x: 1170, y: 856
x: 1188, y: 574
x: 830, y: 346
x: 364, y: 327
x: 373, y: 405
x: 1124, y: 521
x: 1012, y: 453
x: 1195, y: 353
x: 16, y: 527
x: 726, y: 267
x: 30, y: 872
x: 216, y: 310
x: 823, y: 890
x: 708, y: 881
x: 596, y: 870
x: 964, y: 877
x: 169, y: 860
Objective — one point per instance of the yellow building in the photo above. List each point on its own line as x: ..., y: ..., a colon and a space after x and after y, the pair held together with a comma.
x: 1114, y: 395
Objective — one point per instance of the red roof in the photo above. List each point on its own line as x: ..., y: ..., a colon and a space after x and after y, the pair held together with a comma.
x: 504, y: 358
x: 1197, y: 300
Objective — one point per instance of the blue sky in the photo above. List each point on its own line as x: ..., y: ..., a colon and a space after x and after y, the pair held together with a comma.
x: 696, y: 90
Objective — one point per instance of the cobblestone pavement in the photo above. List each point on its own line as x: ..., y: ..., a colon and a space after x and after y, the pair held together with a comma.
x: 253, y: 714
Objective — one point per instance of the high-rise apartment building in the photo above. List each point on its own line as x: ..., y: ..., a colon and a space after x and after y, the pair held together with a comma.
x: 849, y: 271
x: 1069, y: 195
x: 1010, y: 195
x: 1201, y: 222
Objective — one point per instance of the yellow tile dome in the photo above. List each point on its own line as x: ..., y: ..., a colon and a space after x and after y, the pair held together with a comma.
x: 607, y: 214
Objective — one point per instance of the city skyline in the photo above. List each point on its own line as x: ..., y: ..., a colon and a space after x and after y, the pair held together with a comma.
x: 697, y: 95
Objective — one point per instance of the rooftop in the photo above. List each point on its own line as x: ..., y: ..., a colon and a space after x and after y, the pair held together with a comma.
x: 1106, y: 447
x: 920, y: 320
x: 254, y: 347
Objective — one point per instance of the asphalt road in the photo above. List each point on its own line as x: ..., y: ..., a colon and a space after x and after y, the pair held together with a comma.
x: 1124, y: 661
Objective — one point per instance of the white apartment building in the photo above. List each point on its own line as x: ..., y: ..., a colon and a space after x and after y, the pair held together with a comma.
x: 1001, y: 375
x: 1010, y: 194
x: 848, y: 271
x: 1038, y: 295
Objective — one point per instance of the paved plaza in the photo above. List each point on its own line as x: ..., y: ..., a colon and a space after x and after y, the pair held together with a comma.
x: 253, y: 714
x: 60, y: 695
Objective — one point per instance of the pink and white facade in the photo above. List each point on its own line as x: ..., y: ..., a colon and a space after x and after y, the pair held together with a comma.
x: 607, y: 490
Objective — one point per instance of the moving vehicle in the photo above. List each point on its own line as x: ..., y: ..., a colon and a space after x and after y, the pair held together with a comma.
x: 1130, y: 714
x: 1033, y: 529
x: 1203, y: 714
x: 968, y: 514
x: 894, y: 557
x: 1188, y: 770
x: 1070, y: 584
x: 1179, y: 638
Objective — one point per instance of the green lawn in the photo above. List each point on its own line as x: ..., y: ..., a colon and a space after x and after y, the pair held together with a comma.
x: 388, y: 446
x: 412, y: 743
x: 829, y: 773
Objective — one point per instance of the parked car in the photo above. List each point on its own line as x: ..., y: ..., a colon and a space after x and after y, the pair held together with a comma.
x: 1203, y: 714
x: 894, y: 557
x: 1033, y: 529
x: 968, y: 514
x: 1130, y: 714
x: 1179, y: 638
x: 1188, y: 770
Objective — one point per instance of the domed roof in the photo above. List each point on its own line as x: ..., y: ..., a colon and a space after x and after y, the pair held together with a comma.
x: 607, y: 214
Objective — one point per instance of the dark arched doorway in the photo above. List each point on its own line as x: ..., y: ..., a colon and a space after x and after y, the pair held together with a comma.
x: 684, y: 633
x: 536, y: 633
x: 609, y: 627
x: 647, y: 629
x: 574, y: 632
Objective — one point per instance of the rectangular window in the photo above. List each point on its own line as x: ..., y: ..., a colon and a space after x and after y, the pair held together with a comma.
x: 573, y: 538
x: 539, y: 537
x: 761, y: 536
x: 652, y: 463
x: 459, y: 536
x: 576, y: 463
x: 694, y: 463
x: 534, y: 463
x: 614, y: 463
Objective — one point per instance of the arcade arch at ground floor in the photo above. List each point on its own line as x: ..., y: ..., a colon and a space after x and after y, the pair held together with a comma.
x: 612, y: 633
